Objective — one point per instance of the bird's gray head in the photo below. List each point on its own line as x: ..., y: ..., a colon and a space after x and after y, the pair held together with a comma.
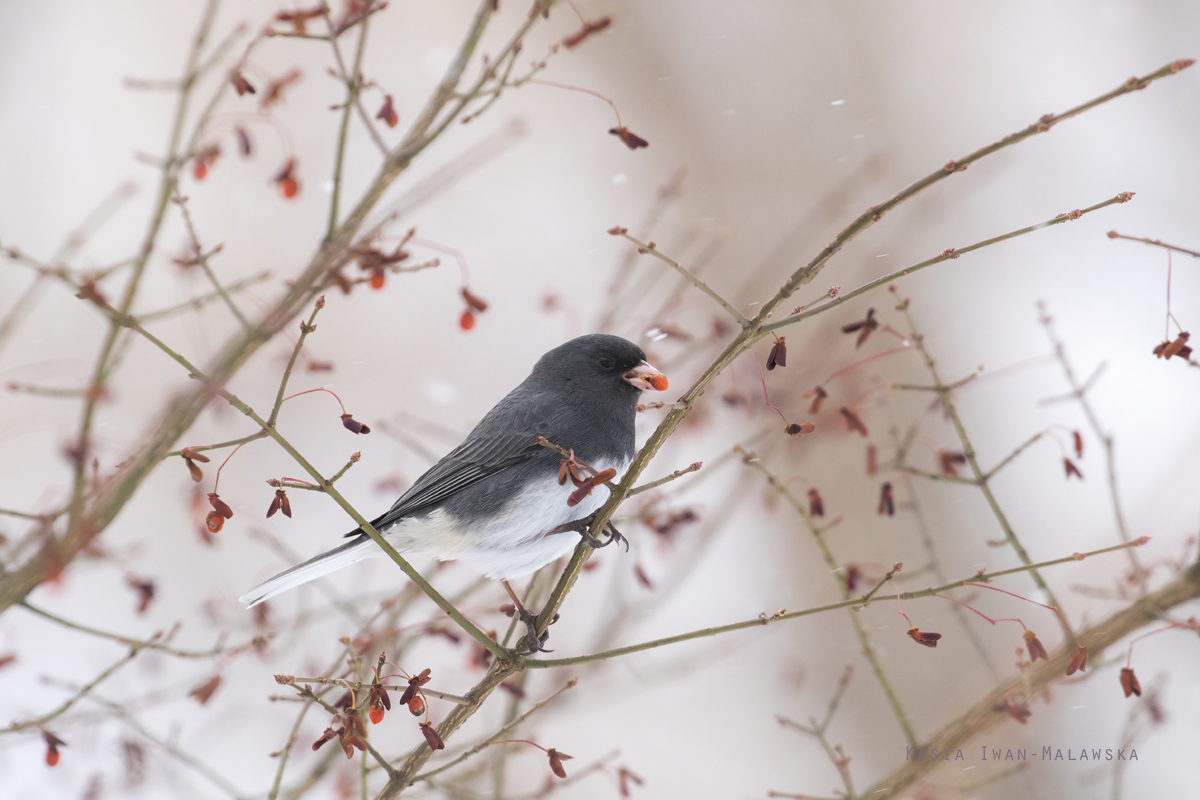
x: 598, y: 362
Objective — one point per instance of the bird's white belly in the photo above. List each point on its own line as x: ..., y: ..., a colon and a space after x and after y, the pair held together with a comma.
x: 512, y: 542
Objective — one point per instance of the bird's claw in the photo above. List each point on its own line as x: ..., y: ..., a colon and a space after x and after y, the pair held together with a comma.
x: 581, y: 526
x: 533, y: 643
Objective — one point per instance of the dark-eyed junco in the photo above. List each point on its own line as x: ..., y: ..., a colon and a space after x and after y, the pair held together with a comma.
x: 496, y: 501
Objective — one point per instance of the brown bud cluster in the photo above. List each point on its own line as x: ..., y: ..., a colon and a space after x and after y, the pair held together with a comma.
x: 887, y: 503
x: 387, y: 112
x: 1178, y: 347
x: 556, y: 759
x: 818, y: 395
x: 353, y: 425
x: 285, y: 179
x: 816, y: 506
x: 240, y: 84
x: 1078, y: 661
x: 854, y: 422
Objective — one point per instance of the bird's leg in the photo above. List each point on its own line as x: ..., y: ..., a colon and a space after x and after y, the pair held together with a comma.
x: 534, y: 642
x: 581, y: 526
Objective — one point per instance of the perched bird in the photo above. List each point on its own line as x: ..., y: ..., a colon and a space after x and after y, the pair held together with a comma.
x: 498, y: 501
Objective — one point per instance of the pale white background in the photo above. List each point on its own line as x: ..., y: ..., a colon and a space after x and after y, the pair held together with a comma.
x: 783, y: 114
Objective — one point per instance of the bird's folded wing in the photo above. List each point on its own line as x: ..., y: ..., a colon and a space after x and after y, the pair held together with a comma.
x: 500, y: 441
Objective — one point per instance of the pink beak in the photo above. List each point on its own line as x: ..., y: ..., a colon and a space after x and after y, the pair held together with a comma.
x: 646, y: 378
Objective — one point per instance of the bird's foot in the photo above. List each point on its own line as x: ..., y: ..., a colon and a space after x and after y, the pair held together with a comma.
x: 533, y: 643
x: 581, y: 526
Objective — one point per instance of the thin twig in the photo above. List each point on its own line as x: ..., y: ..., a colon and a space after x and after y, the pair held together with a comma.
x: 699, y: 284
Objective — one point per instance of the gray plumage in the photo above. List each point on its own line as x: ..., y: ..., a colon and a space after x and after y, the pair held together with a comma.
x: 493, y: 500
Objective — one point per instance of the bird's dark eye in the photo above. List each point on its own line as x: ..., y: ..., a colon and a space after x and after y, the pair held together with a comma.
x: 606, y: 362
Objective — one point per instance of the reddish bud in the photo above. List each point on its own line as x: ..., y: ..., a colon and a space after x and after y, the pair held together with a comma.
x: 887, y: 504
x: 799, y: 429
x: 1078, y: 661
x: 219, y: 505
x: 52, y: 745
x: 196, y: 473
x: 1034, y: 646
x: 816, y: 507
x: 864, y: 326
x: 353, y: 425
x: 1129, y: 682
x: 556, y: 759
x: 375, y: 713
x: 378, y: 278
x: 778, y: 355
x: 853, y: 576
x: 145, y: 590
x: 642, y: 577
x: 431, y: 736
x: 326, y: 735
x: 951, y: 461
x: 280, y: 503
x: 466, y: 320
x: 589, y: 27
x: 586, y: 487
x: 214, y: 522
x: 872, y: 460
x: 924, y: 637
x: 854, y: 422
x: 245, y: 145
x: 274, y: 91
x: 240, y: 83
x: 388, y: 112
x: 1071, y: 469
x: 818, y: 395
x: 204, y: 691
x: 1078, y: 443
x: 1017, y: 711
x: 474, y: 301
x: 628, y: 137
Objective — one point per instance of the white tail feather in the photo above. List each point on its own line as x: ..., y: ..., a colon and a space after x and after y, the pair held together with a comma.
x: 310, y: 570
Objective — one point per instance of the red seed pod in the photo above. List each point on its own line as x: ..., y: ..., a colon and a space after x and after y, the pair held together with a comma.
x: 556, y: 759
x: 52, y: 745
x: 628, y: 137
x: 1129, y: 682
x: 816, y: 506
x: 924, y: 637
x: 1078, y: 661
x: 431, y: 737
x: 778, y: 354
x: 466, y: 320
x: 387, y: 112
x: 416, y: 705
x: 219, y: 505
x: 214, y: 522
x: 375, y: 712
x: 286, y: 180
x: 1034, y: 646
